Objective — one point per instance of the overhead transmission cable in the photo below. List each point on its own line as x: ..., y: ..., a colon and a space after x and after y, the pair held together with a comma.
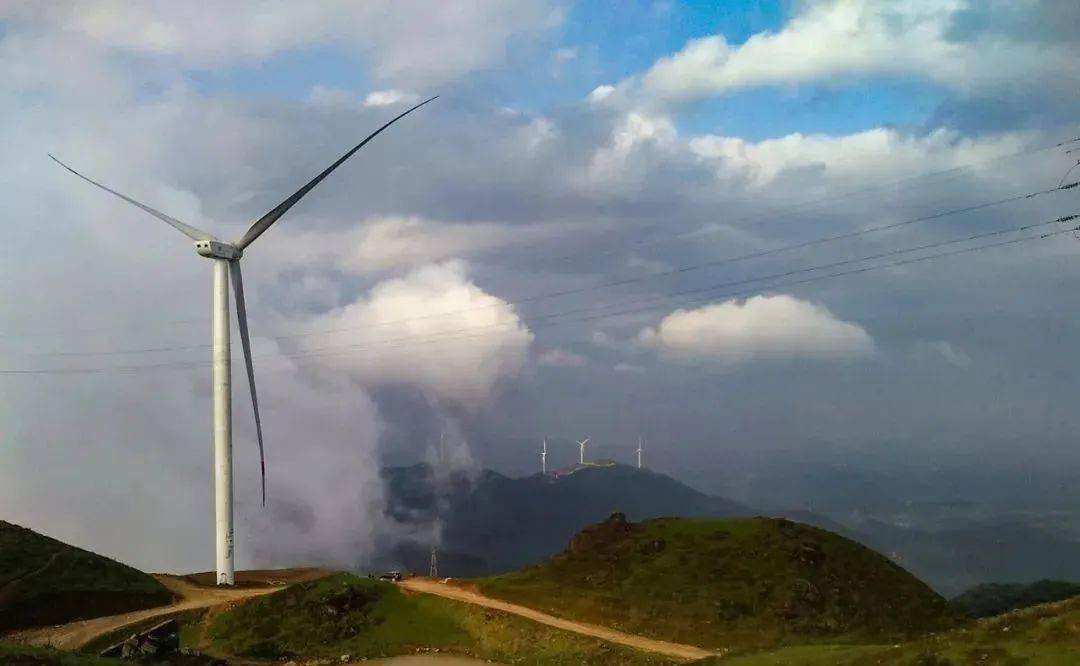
x: 642, y: 305
x: 827, y: 198
x: 758, y: 254
x: 940, y: 175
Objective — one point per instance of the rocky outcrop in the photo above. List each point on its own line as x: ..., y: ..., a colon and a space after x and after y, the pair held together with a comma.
x: 157, y: 641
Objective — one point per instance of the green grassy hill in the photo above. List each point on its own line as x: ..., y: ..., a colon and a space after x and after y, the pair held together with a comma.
x: 1045, y: 635
x: 996, y: 598
x: 728, y: 583
x: 45, y: 581
x: 364, y: 618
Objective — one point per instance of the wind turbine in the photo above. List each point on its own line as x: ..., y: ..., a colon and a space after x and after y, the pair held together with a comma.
x: 639, y: 452
x: 543, y: 458
x: 581, y: 450
x: 226, y: 257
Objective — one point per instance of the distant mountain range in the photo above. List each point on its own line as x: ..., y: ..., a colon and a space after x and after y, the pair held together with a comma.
x: 492, y: 523
x: 955, y: 557
x: 995, y: 598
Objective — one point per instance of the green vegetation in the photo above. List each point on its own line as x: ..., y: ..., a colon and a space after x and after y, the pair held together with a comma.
x: 18, y: 655
x: 731, y: 583
x: 996, y: 598
x: 1047, y: 635
x: 360, y: 617
x: 44, y: 581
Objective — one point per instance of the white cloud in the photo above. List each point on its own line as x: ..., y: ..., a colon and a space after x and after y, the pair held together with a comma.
x: 601, y: 339
x: 629, y: 368
x: 432, y: 328
x: 565, y: 55
x: 831, y: 39
x: 538, y: 133
x: 942, y: 350
x: 390, y: 97
x: 762, y: 326
x: 600, y: 93
x: 383, y: 243
x: 874, y: 152
x: 612, y: 163
x: 410, y: 40
x: 560, y: 358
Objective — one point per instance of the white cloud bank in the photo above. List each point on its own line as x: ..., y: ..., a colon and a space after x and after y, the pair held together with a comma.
x: 414, y: 40
x: 388, y: 242
x: 882, y: 152
x: 835, y: 39
x: 560, y: 358
x: 390, y: 97
x: 433, y: 329
x: 762, y: 326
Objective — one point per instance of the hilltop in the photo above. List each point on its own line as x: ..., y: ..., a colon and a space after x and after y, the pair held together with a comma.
x: 725, y: 583
x: 45, y: 581
x: 493, y: 523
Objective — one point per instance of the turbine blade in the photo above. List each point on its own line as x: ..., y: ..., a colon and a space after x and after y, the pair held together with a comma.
x: 264, y: 222
x: 245, y: 342
x: 186, y: 229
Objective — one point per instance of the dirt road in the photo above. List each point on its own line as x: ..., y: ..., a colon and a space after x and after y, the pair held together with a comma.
x: 74, y: 635
x: 676, y: 650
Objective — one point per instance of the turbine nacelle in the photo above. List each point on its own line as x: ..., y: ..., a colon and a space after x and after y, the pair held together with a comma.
x: 214, y: 249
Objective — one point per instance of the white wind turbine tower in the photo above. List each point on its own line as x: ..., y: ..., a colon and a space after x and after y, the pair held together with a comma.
x: 226, y: 257
x: 639, y: 439
x: 543, y: 458
x: 581, y: 450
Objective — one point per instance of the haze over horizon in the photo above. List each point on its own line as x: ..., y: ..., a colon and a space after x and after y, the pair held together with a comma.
x: 456, y: 275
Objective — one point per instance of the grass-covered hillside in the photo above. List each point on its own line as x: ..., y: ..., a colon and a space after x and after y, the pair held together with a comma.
x: 45, y: 581
x: 728, y: 583
x: 348, y: 615
x: 1045, y: 635
x: 996, y: 598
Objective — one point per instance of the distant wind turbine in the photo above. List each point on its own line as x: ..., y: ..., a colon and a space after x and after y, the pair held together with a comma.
x: 543, y: 458
x: 639, y: 440
x: 581, y: 450
x: 226, y: 258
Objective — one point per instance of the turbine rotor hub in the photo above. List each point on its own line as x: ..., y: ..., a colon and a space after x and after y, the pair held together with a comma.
x: 214, y: 249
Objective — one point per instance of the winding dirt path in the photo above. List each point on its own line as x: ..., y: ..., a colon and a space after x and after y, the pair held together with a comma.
x: 676, y: 650
x: 75, y: 635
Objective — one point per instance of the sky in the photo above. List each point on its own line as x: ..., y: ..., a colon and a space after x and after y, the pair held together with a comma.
x: 610, y: 224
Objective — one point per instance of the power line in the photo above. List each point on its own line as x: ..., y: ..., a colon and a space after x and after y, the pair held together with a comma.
x: 699, y: 293
x: 540, y: 321
x: 613, y: 283
x: 796, y: 206
x: 700, y: 266
x: 662, y: 300
x: 816, y: 203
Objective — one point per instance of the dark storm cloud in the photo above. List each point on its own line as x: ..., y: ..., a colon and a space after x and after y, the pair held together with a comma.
x: 1039, y: 22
